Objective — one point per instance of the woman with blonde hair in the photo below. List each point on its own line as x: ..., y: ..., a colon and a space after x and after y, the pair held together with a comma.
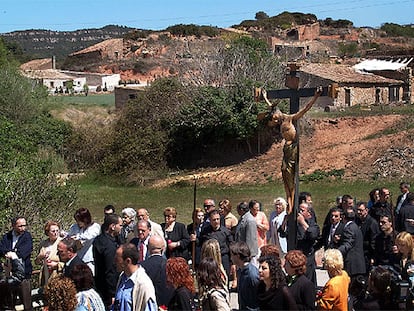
x: 334, y: 295
x: 211, y: 248
x: 176, y: 235
x: 405, y: 245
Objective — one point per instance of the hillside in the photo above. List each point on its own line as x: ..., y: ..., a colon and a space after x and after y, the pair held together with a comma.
x: 364, y: 147
x: 41, y: 43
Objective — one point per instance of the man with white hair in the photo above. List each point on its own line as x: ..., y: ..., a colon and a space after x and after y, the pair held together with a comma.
x: 143, y: 214
x: 128, y: 228
x: 276, y: 220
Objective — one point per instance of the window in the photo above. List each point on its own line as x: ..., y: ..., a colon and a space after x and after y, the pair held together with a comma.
x: 347, y: 97
x: 377, y: 96
x: 393, y: 94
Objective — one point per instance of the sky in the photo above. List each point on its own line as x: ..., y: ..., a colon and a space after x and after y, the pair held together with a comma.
x: 159, y: 14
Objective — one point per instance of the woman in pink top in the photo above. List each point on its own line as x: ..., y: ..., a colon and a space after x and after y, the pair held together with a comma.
x: 261, y: 221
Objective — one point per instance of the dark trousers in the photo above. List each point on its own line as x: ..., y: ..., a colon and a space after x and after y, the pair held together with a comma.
x: 311, y: 268
x: 9, y: 293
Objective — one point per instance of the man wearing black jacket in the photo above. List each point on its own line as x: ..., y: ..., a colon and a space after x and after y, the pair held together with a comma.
x: 308, y: 232
x: 104, y: 249
x: 18, y: 243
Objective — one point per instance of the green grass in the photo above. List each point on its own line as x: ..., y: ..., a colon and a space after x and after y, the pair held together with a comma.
x: 92, y: 100
x: 94, y: 195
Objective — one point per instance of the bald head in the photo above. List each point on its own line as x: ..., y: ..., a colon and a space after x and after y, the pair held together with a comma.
x: 142, y: 214
x: 156, y: 244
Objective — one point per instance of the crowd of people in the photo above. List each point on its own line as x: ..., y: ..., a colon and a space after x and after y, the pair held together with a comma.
x: 131, y: 263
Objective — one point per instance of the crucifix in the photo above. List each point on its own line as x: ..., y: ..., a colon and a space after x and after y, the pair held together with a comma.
x: 290, y: 133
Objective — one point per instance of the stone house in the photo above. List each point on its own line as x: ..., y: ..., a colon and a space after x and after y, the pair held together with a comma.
x: 111, y: 49
x: 304, y: 32
x: 398, y: 68
x: 353, y: 87
x: 124, y: 93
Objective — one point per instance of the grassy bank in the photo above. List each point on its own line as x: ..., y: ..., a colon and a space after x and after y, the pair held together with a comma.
x: 95, y: 195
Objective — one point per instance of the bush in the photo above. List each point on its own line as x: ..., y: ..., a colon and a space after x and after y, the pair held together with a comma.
x: 193, y: 30
x: 395, y: 30
x: 140, y: 136
x: 31, y: 191
x: 320, y: 175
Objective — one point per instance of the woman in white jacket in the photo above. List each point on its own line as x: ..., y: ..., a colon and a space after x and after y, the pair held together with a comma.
x: 275, y: 220
x: 85, y: 231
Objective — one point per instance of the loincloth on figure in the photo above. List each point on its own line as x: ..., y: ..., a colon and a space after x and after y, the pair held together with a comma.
x: 290, y: 153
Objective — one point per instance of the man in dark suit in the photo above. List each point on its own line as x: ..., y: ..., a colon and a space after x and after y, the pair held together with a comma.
x: 351, y: 246
x: 405, y: 218
x: 67, y: 249
x: 308, y: 232
x: 18, y: 243
x: 331, y: 232
x: 384, y: 244
x: 402, y: 198
x: 370, y: 229
x: 221, y: 234
x: 141, y: 242
x: 154, y: 266
x: 104, y: 249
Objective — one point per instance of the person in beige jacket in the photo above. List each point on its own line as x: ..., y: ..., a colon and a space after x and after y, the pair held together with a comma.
x: 135, y: 290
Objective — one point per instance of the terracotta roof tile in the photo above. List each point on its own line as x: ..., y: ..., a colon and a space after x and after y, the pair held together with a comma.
x: 344, y: 74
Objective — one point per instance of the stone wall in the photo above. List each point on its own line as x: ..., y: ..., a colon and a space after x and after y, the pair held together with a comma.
x: 125, y: 93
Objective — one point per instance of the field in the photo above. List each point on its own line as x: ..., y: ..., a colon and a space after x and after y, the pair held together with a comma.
x: 95, y: 195
x: 100, y: 100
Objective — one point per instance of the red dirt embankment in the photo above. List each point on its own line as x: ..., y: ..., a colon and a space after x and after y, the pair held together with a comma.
x: 361, y: 146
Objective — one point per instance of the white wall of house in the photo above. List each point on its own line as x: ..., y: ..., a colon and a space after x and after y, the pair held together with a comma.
x: 52, y: 84
x: 111, y: 81
x: 78, y: 84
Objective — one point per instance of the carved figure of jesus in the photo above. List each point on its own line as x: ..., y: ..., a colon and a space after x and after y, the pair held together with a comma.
x: 290, y: 148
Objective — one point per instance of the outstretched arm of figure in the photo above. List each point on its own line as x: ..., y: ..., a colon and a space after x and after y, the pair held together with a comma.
x: 308, y: 106
x: 264, y: 94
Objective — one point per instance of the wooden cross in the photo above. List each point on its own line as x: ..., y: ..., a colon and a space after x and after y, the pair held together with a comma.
x: 294, y: 94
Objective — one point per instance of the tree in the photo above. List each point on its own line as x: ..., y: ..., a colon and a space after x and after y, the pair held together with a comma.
x: 29, y: 155
x: 239, y: 59
x: 394, y: 30
x: 140, y: 136
x: 261, y: 15
x: 348, y: 50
